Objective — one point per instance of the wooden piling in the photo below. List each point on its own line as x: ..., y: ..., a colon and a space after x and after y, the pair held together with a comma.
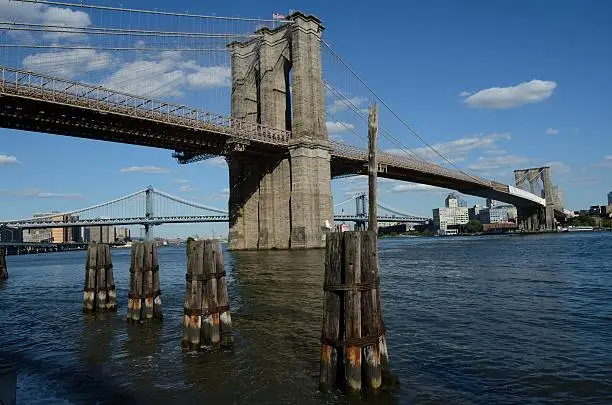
x: 157, y: 304
x: 192, y: 322
x: 353, y: 351
x: 225, y: 318
x: 111, y: 292
x: 332, y: 310
x: 143, y: 279
x: 3, y: 268
x: 210, y: 310
x: 89, y: 290
x: 206, y: 298
x: 352, y: 310
x: 99, y: 292
x: 371, y: 321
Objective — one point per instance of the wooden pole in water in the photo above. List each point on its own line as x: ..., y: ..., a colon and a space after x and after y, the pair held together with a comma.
x: 157, y: 308
x: 100, y: 278
x: 225, y: 318
x: 147, y: 280
x: 192, y: 322
x: 331, y: 312
x: 372, y: 166
x: 210, y: 311
x: 90, y: 278
x: 371, y: 322
x: 136, y: 278
x: 352, y: 311
x: 111, y: 293
x: 3, y: 268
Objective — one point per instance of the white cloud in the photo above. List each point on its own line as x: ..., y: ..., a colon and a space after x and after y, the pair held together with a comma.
x: 167, y: 75
x: 344, y: 104
x: 8, y: 160
x: 459, y: 149
x: 223, y: 195
x: 187, y: 188
x: 496, y: 162
x: 558, y: 167
x: 552, y: 131
x: 144, y: 169
x: 37, y: 193
x: 337, y: 127
x: 209, y: 77
x: 464, y: 94
x: 606, y: 164
x: 180, y: 181
x: 85, y: 60
x: 218, y: 161
x: 534, y: 91
x: 407, y: 187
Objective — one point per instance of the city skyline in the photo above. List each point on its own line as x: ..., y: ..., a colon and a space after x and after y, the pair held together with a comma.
x: 496, y: 118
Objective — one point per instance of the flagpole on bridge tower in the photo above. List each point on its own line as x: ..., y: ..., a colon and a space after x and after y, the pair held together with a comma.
x: 372, y: 166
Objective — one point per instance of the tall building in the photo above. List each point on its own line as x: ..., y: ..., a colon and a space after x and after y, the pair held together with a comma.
x: 102, y: 234
x: 122, y: 234
x: 451, y: 214
x: 474, y: 212
x: 610, y: 198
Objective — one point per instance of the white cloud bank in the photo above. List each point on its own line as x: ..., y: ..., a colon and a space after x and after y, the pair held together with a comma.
x: 552, y: 131
x: 534, y: 91
x: 8, y: 160
x: 144, y: 169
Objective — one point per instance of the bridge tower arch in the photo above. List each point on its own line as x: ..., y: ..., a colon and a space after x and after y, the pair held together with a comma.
x: 283, y: 201
x: 537, y: 218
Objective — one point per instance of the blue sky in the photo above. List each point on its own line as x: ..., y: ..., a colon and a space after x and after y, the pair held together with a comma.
x: 494, y: 86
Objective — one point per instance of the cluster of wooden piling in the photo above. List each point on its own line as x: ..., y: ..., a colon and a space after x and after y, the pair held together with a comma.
x: 3, y: 269
x: 352, y: 320
x: 207, y: 320
x: 144, y: 298
x: 99, y: 294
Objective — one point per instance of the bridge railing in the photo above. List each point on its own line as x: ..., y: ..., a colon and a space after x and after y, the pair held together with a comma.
x: 354, y: 153
x: 41, y: 87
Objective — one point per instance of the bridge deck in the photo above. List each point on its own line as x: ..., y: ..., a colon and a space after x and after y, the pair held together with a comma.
x: 34, y: 102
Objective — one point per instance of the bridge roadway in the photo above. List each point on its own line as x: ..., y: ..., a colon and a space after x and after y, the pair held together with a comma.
x: 34, y: 224
x: 40, y: 103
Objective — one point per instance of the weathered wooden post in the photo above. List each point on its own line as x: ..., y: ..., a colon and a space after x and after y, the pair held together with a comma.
x: 99, y: 292
x: 207, y: 321
x: 354, y: 351
x: 3, y: 268
x: 192, y: 322
x: 143, y: 279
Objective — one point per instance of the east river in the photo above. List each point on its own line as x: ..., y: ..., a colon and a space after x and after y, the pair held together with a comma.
x: 471, y: 320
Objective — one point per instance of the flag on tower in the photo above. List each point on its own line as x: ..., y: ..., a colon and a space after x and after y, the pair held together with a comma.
x: 277, y: 16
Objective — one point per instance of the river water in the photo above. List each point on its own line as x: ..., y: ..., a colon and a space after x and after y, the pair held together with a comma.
x: 471, y: 320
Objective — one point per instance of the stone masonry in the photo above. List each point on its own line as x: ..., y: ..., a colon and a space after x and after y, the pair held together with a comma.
x: 533, y: 219
x: 284, y: 201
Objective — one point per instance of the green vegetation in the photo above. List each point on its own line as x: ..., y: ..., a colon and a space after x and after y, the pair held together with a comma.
x: 474, y: 226
x: 582, y: 221
x: 606, y: 223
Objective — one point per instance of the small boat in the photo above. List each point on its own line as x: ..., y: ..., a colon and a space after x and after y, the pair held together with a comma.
x: 579, y: 228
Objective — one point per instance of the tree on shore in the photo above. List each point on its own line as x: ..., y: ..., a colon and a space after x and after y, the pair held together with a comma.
x: 582, y: 220
x: 473, y: 226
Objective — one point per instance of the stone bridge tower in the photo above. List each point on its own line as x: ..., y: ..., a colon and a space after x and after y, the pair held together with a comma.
x: 283, y: 201
x: 527, y: 179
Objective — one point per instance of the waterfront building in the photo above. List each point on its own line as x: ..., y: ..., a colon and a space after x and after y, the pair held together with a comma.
x: 10, y: 234
x: 498, y: 214
x: 451, y: 214
x: 610, y: 198
x: 122, y: 234
x: 101, y: 234
x: 38, y: 235
x: 474, y: 212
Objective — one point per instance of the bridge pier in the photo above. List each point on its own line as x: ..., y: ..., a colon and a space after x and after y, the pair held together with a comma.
x: 542, y: 217
x: 283, y: 202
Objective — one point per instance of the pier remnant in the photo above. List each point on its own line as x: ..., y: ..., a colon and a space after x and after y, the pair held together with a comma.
x: 99, y: 294
x: 207, y: 321
x: 353, y: 352
x: 144, y: 298
x: 3, y: 268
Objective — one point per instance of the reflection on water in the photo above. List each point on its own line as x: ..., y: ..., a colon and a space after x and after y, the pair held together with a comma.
x: 470, y: 320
